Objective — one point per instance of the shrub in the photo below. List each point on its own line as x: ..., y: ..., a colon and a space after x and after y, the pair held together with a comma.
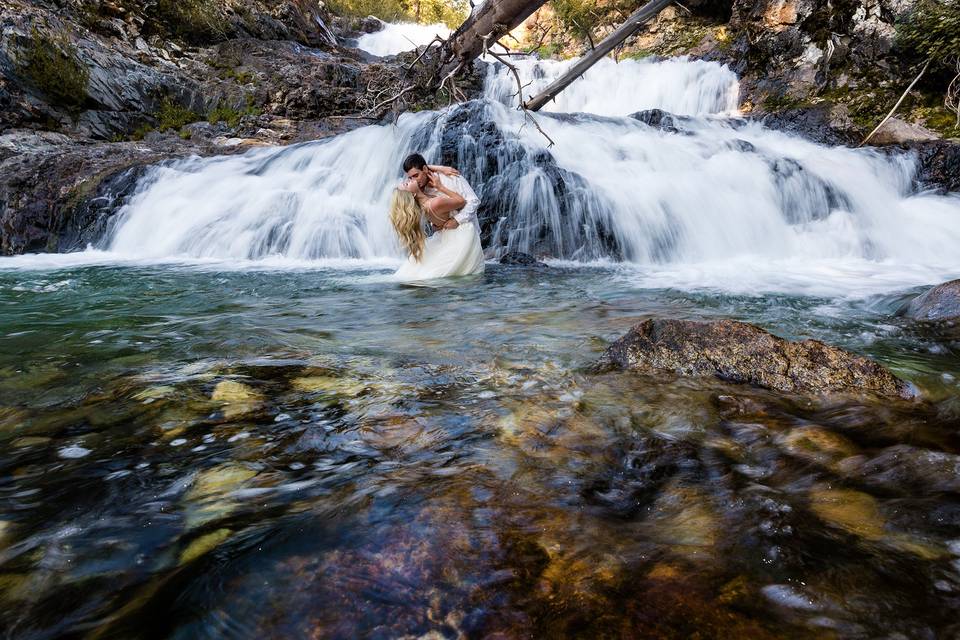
x: 450, y: 12
x: 173, y: 115
x: 932, y: 33
x: 230, y: 115
x: 52, y: 64
x: 196, y: 21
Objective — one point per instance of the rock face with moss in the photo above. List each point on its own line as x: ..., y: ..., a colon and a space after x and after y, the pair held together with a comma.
x: 743, y: 353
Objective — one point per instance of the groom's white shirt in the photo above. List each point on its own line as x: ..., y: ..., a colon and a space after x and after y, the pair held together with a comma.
x: 469, y: 211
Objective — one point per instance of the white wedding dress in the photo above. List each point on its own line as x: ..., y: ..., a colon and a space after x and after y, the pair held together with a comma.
x: 451, y: 252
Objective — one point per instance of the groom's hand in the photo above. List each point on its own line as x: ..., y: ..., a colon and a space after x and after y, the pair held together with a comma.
x: 451, y: 224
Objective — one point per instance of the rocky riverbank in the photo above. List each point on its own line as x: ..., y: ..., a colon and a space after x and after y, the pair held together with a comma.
x: 91, y: 92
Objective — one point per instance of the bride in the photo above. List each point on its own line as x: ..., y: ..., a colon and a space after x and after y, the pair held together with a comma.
x: 448, y: 252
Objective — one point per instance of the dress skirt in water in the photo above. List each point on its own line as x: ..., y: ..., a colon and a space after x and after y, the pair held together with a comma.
x: 453, y: 252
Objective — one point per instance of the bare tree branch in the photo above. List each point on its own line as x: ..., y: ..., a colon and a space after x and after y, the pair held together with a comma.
x: 899, y: 102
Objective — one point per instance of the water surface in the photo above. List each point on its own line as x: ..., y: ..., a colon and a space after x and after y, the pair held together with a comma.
x: 200, y: 450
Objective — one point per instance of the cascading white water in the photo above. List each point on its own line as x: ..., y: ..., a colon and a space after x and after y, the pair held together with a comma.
x: 710, y: 190
x: 678, y: 85
x: 400, y: 37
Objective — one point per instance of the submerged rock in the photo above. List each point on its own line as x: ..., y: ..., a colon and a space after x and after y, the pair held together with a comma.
x: 903, y: 467
x: 852, y: 511
x: 817, y: 445
x: 237, y: 397
x: 939, y: 303
x: 743, y: 353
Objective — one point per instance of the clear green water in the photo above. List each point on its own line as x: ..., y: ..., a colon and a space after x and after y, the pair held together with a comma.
x: 190, y: 453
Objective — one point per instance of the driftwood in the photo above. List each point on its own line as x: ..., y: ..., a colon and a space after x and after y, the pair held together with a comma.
x: 608, y: 44
x: 435, y: 69
x: 483, y: 28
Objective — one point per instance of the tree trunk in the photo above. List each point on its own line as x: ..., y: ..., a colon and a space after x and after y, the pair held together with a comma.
x: 495, y: 18
x: 627, y: 29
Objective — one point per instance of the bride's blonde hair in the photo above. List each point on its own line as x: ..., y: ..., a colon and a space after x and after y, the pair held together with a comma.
x: 406, y: 217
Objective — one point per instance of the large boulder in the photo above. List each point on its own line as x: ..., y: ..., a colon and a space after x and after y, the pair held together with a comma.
x: 743, y: 353
x: 937, y: 304
x: 504, y: 171
x: 897, y: 131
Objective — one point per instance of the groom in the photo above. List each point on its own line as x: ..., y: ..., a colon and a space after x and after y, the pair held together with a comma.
x: 417, y: 169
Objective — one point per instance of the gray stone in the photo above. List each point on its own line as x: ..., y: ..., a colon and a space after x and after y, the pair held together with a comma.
x: 939, y: 303
x: 896, y: 131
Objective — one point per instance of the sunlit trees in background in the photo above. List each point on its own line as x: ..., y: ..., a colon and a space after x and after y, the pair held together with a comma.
x: 450, y: 12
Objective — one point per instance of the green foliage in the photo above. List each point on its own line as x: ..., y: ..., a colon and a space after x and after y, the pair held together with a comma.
x: 450, y: 12
x: 237, y: 75
x: 579, y: 18
x: 51, y: 63
x: 932, y: 32
x: 173, y: 115
x: 230, y: 115
x: 196, y: 21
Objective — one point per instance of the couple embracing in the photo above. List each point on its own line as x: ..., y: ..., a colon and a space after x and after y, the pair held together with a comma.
x: 446, y: 201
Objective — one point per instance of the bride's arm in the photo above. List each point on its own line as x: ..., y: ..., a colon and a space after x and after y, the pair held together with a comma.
x: 444, y: 204
x: 443, y: 170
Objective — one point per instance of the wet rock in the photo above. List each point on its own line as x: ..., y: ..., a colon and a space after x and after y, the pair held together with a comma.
x: 496, y: 163
x: 938, y: 165
x: 237, y: 397
x: 644, y: 466
x: 659, y: 119
x: 204, y: 544
x: 897, y: 131
x: 31, y: 441
x: 520, y: 259
x: 824, y: 124
x: 817, y: 445
x: 743, y: 353
x: 939, y: 303
x: 903, y: 467
x: 852, y: 511
x: 219, y: 480
x: 345, y: 387
x: 684, y: 519
x: 209, y: 497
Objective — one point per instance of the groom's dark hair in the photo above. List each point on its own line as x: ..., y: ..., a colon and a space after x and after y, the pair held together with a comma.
x: 414, y: 161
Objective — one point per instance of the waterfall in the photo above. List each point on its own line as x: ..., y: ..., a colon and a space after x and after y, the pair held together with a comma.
x: 400, y: 37
x: 701, y: 186
x: 678, y: 85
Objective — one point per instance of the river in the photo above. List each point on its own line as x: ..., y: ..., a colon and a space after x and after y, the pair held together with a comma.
x: 226, y: 420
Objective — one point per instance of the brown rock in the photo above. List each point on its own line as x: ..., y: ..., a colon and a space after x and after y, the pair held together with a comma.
x: 743, y: 353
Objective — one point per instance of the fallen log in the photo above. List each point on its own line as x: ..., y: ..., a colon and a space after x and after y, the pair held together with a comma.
x: 608, y: 44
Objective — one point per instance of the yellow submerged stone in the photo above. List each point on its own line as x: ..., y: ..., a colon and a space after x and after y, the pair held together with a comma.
x: 852, y: 511
x: 219, y: 480
x: 204, y: 544
x: 328, y: 384
x: 238, y: 397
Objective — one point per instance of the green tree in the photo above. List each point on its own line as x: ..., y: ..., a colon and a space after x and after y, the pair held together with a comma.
x: 931, y: 34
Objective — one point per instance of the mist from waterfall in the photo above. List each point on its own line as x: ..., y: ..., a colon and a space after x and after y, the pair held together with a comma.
x: 684, y: 199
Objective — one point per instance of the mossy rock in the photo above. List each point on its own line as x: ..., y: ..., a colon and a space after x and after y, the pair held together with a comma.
x: 51, y: 63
